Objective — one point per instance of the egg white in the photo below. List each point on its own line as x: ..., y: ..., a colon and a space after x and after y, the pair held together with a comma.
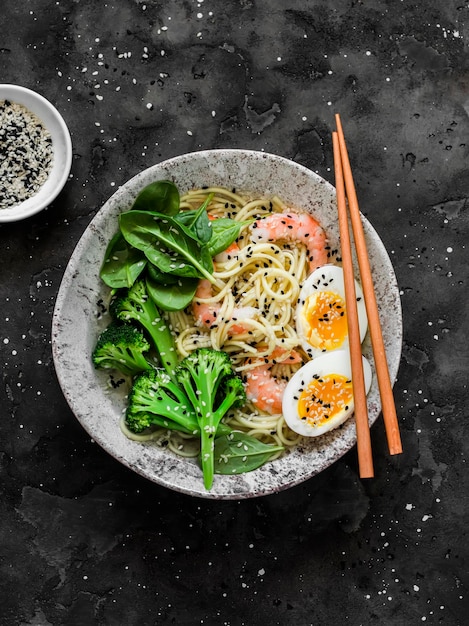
x: 326, y: 278
x: 335, y: 363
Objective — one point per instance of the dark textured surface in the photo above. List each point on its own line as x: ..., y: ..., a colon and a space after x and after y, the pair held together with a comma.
x: 85, y: 541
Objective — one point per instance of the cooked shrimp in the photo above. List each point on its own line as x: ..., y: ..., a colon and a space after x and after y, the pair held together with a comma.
x: 230, y: 253
x: 262, y: 388
x: 207, y: 311
x: 300, y: 227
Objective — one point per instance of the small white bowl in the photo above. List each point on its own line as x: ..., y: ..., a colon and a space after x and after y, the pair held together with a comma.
x: 62, y: 147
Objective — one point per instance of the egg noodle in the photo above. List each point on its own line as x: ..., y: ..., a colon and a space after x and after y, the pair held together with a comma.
x: 260, y: 279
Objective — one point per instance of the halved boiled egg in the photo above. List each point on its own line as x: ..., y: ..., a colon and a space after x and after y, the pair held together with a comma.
x: 321, y: 314
x: 319, y: 396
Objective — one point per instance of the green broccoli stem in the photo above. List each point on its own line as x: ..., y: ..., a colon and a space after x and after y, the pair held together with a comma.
x: 130, y: 361
x: 209, y: 421
x: 163, y: 340
x: 138, y: 305
x: 201, y: 400
x: 207, y: 376
x: 160, y: 404
x: 225, y: 405
x: 141, y: 362
x: 208, y: 431
x: 207, y: 444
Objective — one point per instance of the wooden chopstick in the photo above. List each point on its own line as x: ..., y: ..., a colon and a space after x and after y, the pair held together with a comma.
x: 365, y: 457
x: 382, y: 372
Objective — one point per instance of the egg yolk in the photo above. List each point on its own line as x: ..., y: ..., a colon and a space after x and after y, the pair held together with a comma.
x: 324, y: 398
x: 325, y: 319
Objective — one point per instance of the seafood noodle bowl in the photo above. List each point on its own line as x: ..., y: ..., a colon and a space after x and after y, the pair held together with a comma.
x: 249, y: 311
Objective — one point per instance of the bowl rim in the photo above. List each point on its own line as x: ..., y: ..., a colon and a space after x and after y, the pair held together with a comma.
x: 62, y: 144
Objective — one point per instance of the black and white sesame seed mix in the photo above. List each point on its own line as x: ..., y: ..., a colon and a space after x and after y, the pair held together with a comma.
x: 26, y: 154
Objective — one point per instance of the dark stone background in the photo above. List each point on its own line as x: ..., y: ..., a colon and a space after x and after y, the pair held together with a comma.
x: 85, y: 541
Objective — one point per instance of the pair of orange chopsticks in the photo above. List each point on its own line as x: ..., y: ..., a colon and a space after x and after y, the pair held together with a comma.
x: 345, y: 186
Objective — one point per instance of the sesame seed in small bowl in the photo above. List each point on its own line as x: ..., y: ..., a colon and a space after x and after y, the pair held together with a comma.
x: 35, y: 153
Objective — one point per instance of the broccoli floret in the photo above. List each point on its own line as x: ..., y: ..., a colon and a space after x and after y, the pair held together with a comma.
x: 135, y: 304
x: 122, y: 347
x: 213, y: 388
x: 156, y: 400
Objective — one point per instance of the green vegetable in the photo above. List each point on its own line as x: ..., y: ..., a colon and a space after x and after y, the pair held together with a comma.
x: 154, y: 262
x: 156, y: 400
x: 213, y: 388
x: 237, y: 453
x: 197, y: 221
x: 135, y: 305
x: 122, y: 347
x: 161, y: 196
x: 224, y: 233
x: 174, y: 296
x: 167, y: 244
x: 122, y: 264
x: 190, y: 397
x: 157, y: 276
x: 157, y: 238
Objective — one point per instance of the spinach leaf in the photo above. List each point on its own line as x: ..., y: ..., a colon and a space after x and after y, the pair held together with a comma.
x: 158, y: 276
x: 166, y: 243
x: 198, y: 221
x: 122, y: 263
x: 161, y: 196
x: 224, y: 232
x: 172, y: 297
x: 201, y: 229
x: 237, y: 453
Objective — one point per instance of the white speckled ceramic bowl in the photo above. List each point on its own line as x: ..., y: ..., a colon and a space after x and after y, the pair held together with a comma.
x: 76, y: 325
x: 62, y: 147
